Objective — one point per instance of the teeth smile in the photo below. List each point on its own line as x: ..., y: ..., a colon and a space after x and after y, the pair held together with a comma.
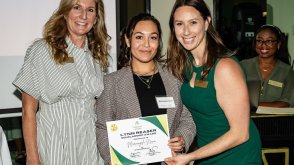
x: 188, y: 39
x: 80, y: 23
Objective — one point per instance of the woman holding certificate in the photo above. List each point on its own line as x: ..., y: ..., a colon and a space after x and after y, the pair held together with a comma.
x: 131, y: 91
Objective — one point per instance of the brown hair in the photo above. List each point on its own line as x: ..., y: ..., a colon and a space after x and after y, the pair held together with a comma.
x: 178, y: 57
x: 125, y: 52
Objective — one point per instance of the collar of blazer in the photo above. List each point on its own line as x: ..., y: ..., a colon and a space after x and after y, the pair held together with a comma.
x: 129, y: 96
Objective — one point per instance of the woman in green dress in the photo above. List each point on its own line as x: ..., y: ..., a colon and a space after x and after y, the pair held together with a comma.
x: 214, y: 90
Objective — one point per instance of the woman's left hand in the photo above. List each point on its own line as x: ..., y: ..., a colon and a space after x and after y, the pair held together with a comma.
x: 177, y: 143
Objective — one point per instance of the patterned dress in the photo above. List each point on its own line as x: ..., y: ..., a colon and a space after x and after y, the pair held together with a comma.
x: 66, y: 94
x: 212, y: 123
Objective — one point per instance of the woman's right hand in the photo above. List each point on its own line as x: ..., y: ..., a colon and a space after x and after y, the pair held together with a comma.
x: 180, y: 159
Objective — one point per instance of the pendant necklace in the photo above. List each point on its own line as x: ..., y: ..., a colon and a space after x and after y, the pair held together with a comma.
x: 267, y: 67
x: 146, y: 81
x: 265, y: 70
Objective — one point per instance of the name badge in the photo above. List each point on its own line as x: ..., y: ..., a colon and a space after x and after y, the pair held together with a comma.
x: 275, y: 83
x: 69, y: 60
x: 165, y: 102
x: 201, y: 83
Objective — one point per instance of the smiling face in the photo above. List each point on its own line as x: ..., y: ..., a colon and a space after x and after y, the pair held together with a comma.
x: 190, y: 28
x: 143, y: 42
x: 81, y: 18
x: 266, y: 44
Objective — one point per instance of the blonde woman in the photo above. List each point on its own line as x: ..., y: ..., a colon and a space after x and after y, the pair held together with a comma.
x: 59, y: 81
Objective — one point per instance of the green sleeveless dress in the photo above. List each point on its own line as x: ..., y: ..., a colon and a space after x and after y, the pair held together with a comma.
x: 211, y: 123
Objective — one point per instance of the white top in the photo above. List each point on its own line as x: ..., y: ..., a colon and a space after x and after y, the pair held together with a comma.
x: 5, y: 158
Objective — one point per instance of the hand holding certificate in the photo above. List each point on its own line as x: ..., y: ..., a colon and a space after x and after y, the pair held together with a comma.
x: 139, y: 140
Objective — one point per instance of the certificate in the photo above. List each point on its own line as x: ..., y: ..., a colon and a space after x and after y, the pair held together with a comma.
x: 139, y: 140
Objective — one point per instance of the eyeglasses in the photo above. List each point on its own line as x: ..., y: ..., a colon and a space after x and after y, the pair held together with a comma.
x: 266, y: 42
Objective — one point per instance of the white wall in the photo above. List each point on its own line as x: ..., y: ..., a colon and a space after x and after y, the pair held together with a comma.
x: 110, y: 18
x: 162, y: 14
x: 21, y: 24
x: 20, y: 21
x: 161, y: 9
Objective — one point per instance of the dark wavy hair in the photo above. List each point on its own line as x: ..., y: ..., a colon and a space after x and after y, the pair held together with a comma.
x: 282, y: 53
x: 177, y: 56
x: 55, y: 32
x: 125, y: 52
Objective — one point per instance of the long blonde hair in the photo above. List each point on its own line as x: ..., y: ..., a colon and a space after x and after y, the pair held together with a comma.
x: 55, y: 33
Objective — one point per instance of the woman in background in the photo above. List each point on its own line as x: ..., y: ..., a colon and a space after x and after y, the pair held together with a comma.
x: 214, y: 90
x: 59, y: 81
x: 131, y: 91
x: 272, y: 67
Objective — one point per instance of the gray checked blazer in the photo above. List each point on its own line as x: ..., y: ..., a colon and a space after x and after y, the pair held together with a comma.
x: 119, y: 101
